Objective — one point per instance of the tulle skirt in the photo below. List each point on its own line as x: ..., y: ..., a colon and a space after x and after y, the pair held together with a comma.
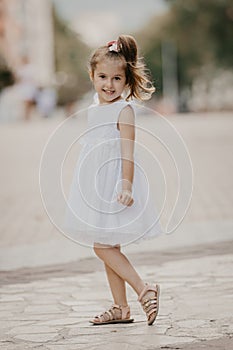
x: 93, y: 214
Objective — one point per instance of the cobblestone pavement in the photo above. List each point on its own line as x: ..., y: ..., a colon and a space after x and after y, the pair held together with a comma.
x: 47, y: 301
x: 51, y: 311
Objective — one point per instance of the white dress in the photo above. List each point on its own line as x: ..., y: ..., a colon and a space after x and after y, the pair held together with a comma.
x: 93, y: 214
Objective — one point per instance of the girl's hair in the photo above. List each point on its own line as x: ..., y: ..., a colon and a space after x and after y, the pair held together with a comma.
x: 137, y: 75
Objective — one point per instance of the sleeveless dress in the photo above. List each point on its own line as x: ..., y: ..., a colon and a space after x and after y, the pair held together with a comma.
x: 93, y: 214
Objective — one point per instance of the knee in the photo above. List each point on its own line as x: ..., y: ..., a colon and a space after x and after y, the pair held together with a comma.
x: 102, y: 250
x: 97, y: 251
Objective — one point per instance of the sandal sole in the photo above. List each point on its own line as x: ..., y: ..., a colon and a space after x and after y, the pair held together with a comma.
x: 112, y: 322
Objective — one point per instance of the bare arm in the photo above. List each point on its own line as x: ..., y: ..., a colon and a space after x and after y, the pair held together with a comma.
x: 127, y: 133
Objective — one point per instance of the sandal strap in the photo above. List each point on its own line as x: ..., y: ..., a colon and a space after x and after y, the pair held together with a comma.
x: 110, y: 314
x: 125, y: 310
x: 150, y: 306
x: 152, y: 311
x: 105, y: 316
x: 146, y: 289
x: 149, y: 303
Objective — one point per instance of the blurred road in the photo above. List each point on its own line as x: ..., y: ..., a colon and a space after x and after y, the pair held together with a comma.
x: 47, y: 281
x: 29, y: 239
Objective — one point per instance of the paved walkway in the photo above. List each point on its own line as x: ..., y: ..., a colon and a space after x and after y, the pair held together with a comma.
x: 50, y: 308
x: 47, y: 300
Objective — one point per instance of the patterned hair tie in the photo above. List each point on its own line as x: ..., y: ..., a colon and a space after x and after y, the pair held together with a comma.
x: 113, y: 46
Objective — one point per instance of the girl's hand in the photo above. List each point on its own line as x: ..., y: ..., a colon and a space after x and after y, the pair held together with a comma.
x: 125, y: 198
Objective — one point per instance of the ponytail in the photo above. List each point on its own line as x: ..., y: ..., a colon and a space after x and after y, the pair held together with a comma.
x: 137, y: 77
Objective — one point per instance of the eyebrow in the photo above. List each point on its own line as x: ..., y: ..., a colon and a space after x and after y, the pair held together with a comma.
x: 116, y: 75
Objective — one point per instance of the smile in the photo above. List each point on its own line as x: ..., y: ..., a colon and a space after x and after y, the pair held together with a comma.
x: 109, y: 92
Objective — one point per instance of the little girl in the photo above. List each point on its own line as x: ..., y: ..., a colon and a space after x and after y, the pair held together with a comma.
x: 109, y: 199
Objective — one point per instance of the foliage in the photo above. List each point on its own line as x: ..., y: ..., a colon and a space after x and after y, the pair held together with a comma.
x: 6, y: 75
x: 202, y: 32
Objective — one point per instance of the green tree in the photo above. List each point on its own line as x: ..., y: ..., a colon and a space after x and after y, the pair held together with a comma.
x: 6, y: 75
x: 201, y: 31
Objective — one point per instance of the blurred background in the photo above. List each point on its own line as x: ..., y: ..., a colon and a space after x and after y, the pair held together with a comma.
x: 45, y: 46
x: 44, y: 50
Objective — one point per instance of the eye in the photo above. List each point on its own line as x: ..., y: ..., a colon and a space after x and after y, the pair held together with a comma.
x: 117, y: 78
x: 102, y: 76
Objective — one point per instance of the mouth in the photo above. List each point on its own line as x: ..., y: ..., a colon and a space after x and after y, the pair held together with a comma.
x: 109, y: 92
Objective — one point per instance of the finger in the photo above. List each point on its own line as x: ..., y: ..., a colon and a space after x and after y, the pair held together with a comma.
x: 127, y: 199
x: 119, y: 197
x: 131, y: 202
x: 122, y: 200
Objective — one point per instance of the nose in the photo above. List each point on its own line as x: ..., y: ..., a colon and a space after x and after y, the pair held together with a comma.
x: 109, y: 83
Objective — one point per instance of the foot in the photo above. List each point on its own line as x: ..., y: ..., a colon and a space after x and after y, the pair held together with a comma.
x: 116, y: 314
x: 149, y: 299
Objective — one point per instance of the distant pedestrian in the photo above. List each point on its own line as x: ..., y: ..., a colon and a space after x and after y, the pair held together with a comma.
x: 46, y: 99
x: 27, y: 87
x: 108, y: 202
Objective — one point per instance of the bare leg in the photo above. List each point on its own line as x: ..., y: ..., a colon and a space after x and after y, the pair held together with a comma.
x: 117, y: 285
x: 120, y: 270
x: 118, y: 262
x: 28, y: 109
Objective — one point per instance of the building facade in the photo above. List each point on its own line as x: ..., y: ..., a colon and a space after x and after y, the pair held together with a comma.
x: 26, y: 30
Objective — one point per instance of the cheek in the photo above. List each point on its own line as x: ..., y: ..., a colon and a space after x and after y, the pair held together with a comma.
x: 124, y: 81
x: 123, y: 84
x: 97, y: 82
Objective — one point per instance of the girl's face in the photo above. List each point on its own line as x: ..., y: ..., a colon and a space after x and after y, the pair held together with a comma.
x: 109, y: 80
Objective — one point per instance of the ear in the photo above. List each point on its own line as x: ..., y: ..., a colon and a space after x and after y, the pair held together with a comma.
x: 91, y: 75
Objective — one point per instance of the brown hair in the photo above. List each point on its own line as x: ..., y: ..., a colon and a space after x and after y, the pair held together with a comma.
x: 137, y: 77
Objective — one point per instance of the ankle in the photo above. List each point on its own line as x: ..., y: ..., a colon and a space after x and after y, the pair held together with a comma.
x: 125, y: 311
x: 140, y: 288
x: 121, y: 304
